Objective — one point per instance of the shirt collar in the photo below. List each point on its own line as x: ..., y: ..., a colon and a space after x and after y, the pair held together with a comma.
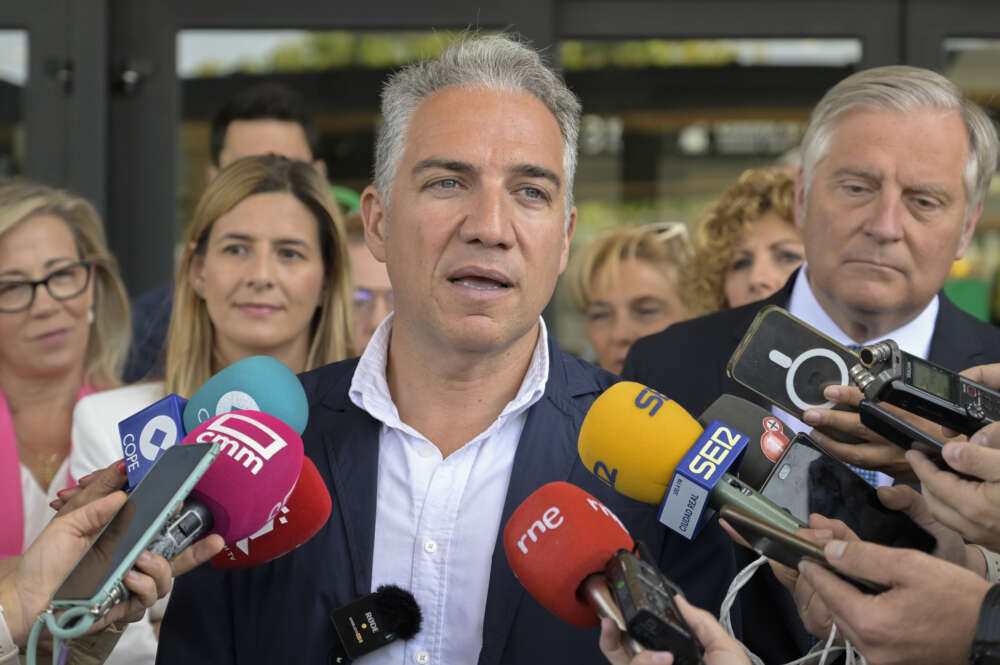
x: 369, y: 389
x: 913, y: 337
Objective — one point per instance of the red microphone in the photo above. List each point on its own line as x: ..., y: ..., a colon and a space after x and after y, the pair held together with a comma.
x: 556, y: 540
x: 305, y: 512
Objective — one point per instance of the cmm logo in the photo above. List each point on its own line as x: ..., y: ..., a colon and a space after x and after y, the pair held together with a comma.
x: 244, y: 439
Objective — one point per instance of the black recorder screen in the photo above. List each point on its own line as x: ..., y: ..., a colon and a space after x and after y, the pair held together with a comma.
x: 933, y: 380
x: 121, y: 535
x: 808, y: 480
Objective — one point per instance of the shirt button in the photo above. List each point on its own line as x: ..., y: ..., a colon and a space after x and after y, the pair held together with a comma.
x: 422, y: 658
x: 426, y: 451
x: 430, y: 547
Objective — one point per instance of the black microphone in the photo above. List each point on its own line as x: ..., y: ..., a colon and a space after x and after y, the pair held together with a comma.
x: 769, y: 436
x: 374, y: 621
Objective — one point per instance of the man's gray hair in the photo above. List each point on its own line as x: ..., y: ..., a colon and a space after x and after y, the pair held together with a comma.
x: 496, y: 61
x: 905, y: 89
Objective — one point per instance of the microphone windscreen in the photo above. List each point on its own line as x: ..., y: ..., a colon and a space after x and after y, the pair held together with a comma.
x: 633, y: 438
x: 306, y: 511
x: 768, y: 435
x: 250, y: 481
x: 257, y: 383
x: 555, y: 539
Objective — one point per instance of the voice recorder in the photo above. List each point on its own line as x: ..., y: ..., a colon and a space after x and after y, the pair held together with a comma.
x: 887, y: 373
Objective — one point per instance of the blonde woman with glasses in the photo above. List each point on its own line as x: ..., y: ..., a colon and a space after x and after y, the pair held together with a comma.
x: 64, y: 331
x: 626, y: 283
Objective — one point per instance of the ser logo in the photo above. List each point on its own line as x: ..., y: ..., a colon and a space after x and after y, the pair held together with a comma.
x: 650, y: 398
x: 714, y: 452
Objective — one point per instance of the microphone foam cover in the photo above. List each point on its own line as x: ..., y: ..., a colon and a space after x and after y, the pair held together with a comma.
x: 555, y: 539
x: 768, y: 435
x: 257, y: 383
x: 249, y: 482
x: 306, y: 511
x: 633, y: 438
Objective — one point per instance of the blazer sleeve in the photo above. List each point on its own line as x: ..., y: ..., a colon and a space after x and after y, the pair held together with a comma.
x: 198, y: 626
x: 94, y: 438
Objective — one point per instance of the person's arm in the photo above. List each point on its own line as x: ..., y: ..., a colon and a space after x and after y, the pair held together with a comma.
x: 928, y: 615
x: 720, y: 648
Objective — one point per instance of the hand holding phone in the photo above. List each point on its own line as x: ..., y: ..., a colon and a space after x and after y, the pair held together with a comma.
x: 784, y: 547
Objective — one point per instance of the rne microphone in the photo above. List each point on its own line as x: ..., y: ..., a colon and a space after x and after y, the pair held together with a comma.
x: 574, y: 556
x: 303, y: 515
x: 374, y: 621
x: 246, y: 486
x: 257, y: 383
x: 647, y: 447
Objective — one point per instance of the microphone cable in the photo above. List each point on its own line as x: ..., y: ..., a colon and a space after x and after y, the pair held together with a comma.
x: 818, y: 654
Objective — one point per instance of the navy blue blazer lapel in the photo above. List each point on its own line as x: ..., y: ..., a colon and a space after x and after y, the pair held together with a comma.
x: 956, y: 344
x: 545, y: 453
x: 350, y: 446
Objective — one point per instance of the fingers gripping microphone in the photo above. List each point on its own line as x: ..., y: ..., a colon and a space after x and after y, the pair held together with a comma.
x: 306, y: 511
x: 647, y: 447
x: 769, y: 436
x: 554, y: 541
x: 257, y: 383
x: 246, y: 486
x: 374, y: 621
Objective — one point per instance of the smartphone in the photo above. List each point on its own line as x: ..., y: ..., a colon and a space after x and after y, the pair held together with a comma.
x: 789, y: 363
x: 94, y: 580
x: 784, y: 547
x: 807, y: 479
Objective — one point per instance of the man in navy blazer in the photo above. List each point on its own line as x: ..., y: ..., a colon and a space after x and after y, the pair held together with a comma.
x: 461, y: 405
x: 896, y: 165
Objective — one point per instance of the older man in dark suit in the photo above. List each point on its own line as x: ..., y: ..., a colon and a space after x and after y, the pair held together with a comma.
x: 461, y: 405
x: 896, y: 165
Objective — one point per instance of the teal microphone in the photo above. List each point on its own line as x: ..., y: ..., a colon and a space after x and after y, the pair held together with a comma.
x: 257, y: 383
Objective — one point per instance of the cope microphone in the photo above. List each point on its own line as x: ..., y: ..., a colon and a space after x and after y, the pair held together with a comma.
x: 647, y: 447
x: 306, y: 511
x: 257, y: 383
x: 769, y: 436
x: 374, y: 621
x: 573, y: 555
x: 148, y: 432
x: 246, y: 486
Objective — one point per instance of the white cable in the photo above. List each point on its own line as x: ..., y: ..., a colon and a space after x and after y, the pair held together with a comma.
x: 829, y: 648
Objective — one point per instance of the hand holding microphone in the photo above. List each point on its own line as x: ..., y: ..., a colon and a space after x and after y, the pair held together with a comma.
x: 575, y: 558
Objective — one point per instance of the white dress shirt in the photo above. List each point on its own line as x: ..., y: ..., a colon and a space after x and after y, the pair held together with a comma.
x: 437, y: 520
x: 914, y: 337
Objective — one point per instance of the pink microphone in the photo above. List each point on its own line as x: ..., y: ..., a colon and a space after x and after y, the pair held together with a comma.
x: 247, y: 485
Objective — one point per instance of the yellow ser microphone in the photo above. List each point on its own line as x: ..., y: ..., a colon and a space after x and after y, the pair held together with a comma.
x: 647, y: 447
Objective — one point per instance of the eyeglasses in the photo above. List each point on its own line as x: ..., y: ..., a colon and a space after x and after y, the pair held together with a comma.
x: 364, y: 299
x: 62, y: 284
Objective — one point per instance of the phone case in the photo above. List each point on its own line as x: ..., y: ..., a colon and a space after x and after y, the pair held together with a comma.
x: 789, y: 363
x: 785, y: 548
x: 211, y: 451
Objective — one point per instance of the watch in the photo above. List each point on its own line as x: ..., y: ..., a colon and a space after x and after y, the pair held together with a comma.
x: 986, y: 643
x: 8, y: 650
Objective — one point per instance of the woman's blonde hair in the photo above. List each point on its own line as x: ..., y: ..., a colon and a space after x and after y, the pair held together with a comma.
x: 725, y: 224
x: 596, y: 264
x: 190, y: 340
x: 111, y: 329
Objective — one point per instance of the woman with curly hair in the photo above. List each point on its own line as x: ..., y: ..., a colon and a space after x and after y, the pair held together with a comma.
x: 747, y: 243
